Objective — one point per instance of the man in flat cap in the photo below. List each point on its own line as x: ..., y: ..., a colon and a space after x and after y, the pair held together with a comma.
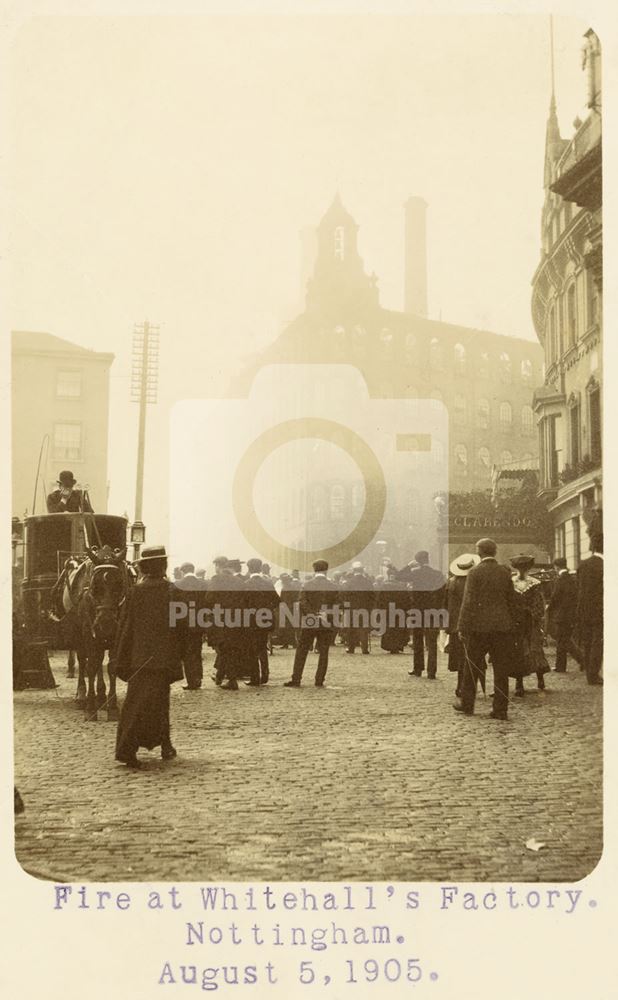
x: 318, y: 597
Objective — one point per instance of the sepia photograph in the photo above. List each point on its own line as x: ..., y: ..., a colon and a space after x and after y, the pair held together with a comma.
x: 307, y: 448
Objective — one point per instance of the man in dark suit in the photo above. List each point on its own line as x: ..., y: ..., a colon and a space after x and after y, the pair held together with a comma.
x: 318, y: 597
x: 590, y: 610
x: 66, y: 498
x: 357, y: 591
x: 261, y: 601
x: 225, y: 598
x: 561, y: 612
x: 192, y: 589
x: 486, y: 622
x: 427, y: 586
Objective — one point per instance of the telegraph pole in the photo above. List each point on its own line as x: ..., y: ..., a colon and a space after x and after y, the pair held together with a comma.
x: 144, y: 376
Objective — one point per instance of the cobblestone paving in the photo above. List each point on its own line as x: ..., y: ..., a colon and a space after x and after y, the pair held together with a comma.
x: 372, y: 778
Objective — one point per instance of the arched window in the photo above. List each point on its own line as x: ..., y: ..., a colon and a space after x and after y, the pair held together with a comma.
x: 461, y: 460
x: 483, y: 370
x: 459, y: 410
x: 506, y: 416
x: 460, y: 359
x: 358, y: 496
x: 527, y: 421
x: 571, y: 315
x: 317, y: 506
x: 484, y: 460
x: 482, y: 414
x: 505, y: 367
x: 339, y: 247
x: 526, y: 372
x: 435, y: 354
x: 337, y: 500
x: 506, y: 458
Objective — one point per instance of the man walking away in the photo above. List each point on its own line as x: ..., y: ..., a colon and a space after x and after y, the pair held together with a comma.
x: 192, y: 590
x: 590, y: 610
x: 486, y: 622
x: 261, y: 600
x: 427, y: 586
x: 561, y: 614
x: 317, y: 599
x: 357, y: 592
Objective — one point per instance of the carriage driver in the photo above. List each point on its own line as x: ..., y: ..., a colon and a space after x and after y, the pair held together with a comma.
x: 66, y: 498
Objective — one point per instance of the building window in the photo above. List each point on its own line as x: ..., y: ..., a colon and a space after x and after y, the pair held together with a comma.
x: 318, y: 502
x: 506, y: 416
x: 358, y: 496
x: 459, y: 410
x: 68, y: 442
x: 460, y: 359
x: 506, y: 458
x: 386, y: 341
x: 482, y: 414
x: 505, y: 368
x: 552, y: 344
x: 337, y: 501
x: 410, y: 345
x: 571, y: 308
x: 484, y: 460
x: 483, y: 371
x: 526, y: 372
x: 437, y: 452
x: 339, y: 242
x: 527, y: 421
x: 575, y: 431
x: 69, y: 384
x: 435, y: 355
x: 594, y: 417
x: 592, y: 300
x: 461, y: 460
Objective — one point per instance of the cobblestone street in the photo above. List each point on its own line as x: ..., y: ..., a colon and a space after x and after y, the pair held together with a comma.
x: 373, y: 777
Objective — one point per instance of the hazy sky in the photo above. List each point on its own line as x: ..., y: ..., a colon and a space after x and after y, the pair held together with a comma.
x: 163, y: 167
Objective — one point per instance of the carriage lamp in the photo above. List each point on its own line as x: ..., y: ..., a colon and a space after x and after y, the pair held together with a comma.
x: 17, y: 536
x: 138, y: 537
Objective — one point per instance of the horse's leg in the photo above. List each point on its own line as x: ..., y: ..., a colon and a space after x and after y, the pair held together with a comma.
x: 71, y: 663
x: 101, y: 690
x: 82, y: 662
x: 112, y: 704
x: 91, y: 672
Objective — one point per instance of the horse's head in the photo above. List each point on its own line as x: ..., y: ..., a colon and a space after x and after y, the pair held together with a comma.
x: 107, y: 592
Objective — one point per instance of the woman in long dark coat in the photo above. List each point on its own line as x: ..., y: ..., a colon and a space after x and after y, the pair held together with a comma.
x: 392, y: 598
x: 529, y: 639
x: 459, y: 568
x: 148, y: 656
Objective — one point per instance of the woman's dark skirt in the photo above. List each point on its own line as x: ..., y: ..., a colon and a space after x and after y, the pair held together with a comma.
x: 145, y: 716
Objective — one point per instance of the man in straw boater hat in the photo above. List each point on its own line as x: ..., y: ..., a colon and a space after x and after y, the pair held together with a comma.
x: 487, y: 620
x: 66, y: 498
x: 459, y: 568
x: 149, y: 656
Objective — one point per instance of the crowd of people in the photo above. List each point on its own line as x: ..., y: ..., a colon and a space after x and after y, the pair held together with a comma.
x: 487, y: 612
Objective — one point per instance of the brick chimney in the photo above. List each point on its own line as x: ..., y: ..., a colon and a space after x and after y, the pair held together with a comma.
x: 415, y: 257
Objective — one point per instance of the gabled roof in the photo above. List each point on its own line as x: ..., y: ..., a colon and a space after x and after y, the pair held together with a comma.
x: 38, y: 342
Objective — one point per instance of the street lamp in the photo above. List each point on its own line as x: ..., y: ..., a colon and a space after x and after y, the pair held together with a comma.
x: 138, y: 537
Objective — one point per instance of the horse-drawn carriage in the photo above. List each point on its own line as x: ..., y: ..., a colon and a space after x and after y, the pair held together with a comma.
x: 75, y: 582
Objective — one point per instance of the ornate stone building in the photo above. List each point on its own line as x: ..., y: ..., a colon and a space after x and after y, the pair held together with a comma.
x: 567, y: 314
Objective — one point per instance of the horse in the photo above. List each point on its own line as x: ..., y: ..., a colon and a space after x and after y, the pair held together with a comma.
x: 94, y: 594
